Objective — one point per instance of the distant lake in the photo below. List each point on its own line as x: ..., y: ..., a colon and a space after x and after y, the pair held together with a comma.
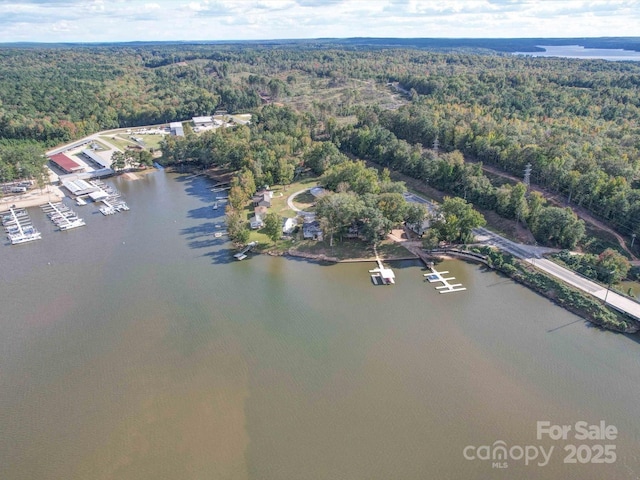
x: 577, y: 51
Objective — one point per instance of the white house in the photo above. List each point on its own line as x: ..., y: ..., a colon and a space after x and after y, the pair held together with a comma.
x: 289, y: 226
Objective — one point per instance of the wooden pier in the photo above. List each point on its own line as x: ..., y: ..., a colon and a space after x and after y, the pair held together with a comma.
x: 243, y: 254
x: 446, y: 287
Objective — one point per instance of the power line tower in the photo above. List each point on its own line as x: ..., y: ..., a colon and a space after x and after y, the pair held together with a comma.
x: 527, y: 176
x: 436, y: 145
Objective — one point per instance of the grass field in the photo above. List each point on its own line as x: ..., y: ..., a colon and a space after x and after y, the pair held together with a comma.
x: 122, y: 140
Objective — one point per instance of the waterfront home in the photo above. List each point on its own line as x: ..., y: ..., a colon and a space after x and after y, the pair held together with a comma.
x: 418, y: 228
x: 263, y: 198
x: 257, y: 221
x: 312, y: 230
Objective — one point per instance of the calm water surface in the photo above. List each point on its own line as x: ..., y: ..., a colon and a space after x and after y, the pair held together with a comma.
x: 134, y: 349
x: 577, y: 51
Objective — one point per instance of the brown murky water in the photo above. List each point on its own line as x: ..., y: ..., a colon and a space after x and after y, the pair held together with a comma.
x: 133, y: 348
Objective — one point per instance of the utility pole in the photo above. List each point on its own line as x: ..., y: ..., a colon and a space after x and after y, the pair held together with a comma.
x: 633, y: 239
x: 609, y: 285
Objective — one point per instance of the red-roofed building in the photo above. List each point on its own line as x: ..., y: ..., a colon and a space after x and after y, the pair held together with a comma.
x: 65, y: 163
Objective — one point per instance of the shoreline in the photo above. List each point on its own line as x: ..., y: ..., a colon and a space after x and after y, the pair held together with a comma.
x: 31, y: 199
x: 591, y: 312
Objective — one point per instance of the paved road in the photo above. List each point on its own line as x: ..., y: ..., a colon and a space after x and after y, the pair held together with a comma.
x: 533, y: 254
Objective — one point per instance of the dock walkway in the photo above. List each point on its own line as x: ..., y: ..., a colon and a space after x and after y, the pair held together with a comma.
x: 62, y: 216
x: 446, y: 287
x: 18, y: 226
x: 382, y: 275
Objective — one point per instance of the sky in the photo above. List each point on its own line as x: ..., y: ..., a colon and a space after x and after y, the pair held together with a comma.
x: 166, y: 20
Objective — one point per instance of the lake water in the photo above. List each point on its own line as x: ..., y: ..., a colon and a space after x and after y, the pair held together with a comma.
x: 577, y: 51
x: 133, y: 348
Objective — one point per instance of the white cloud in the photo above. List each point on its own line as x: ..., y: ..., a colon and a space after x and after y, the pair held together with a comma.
x: 122, y: 20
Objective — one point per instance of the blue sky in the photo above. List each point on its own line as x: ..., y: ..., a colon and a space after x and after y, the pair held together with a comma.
x: 128, y: 20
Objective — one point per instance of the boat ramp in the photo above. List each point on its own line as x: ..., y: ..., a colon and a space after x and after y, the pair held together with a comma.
x: 62, y: 216
x: 17, y: 224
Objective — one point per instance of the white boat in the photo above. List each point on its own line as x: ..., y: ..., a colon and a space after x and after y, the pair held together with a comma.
x: 107, y: 210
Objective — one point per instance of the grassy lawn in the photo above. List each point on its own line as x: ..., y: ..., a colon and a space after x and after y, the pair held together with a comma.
x: 122, y: 140
x: 305, y: 201
x: 280, y: 195
x: 389, y: 249
x: 117, y: 141
x: 341, y: 250
x: 352, y: 249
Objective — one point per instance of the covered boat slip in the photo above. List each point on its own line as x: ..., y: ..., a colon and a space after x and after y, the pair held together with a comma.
x: 18, y: 226
x: 62, y: 216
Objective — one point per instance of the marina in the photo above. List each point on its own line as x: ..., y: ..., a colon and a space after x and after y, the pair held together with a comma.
x: 110, y: 197
x: 446, y: 287
x: 18, y: 226
x: 62, y: 216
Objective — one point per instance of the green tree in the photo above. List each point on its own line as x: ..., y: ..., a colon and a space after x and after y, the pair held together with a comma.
x: 430, y: 239
x: 415, y: 213
x: 558, y: 226
x: 375, y: 226
x: 273, y: 226
x: 237, y: 197
x: 247, y: 182
x: 338, y: 212
x: 458, y: 219
x: 393, y: 207
x: 612, y: 266
x: 118, y: 160
x: 285, y: 172
x: 237, y: 227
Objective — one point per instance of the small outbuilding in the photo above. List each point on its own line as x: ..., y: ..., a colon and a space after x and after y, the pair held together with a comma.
x: 202, y: 121
x: 176, y: 129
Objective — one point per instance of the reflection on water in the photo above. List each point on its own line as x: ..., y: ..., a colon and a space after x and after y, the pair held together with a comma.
x: 135, y: 349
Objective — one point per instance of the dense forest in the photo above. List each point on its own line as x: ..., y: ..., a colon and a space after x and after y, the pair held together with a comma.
x: 436, y: 117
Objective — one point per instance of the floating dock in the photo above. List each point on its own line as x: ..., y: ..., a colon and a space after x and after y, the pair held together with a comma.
x: 18, y: 226
x: 110, y: 197
x: 446, y: 287
x: 382, y: 275
x: 243, y: 254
